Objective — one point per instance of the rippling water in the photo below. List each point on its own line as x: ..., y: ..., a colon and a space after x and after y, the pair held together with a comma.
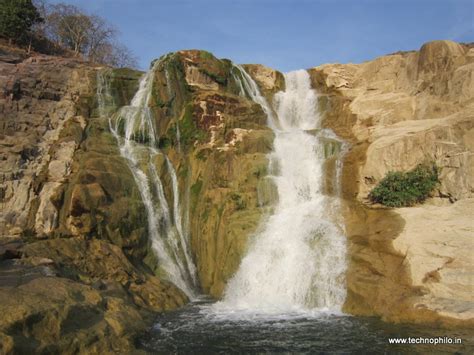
x: 198, y: 328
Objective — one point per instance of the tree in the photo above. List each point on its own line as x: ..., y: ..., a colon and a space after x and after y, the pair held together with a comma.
x: 117, y: 55
x: 69, y: 27
x: 87, y: 35
x: 17, y: 18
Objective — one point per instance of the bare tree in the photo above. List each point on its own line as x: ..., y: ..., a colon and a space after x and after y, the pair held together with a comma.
x: 101, y: 36
x: 117, y: 55
x: 87, y: 35
x: 70, y: 27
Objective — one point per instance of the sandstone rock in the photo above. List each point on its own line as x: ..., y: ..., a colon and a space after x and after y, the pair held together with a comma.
x: 98, y: 261
x: 57, y: 315
x: 270, y: 81
x: 30, y: 127
x: 437, y: 245
x: 10, y: 248
x: 398, y: 111
x: 61, y: 176
x: 75, y: 295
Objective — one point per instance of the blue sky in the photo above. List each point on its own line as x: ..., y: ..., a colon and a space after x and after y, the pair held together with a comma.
x: 284, y: 34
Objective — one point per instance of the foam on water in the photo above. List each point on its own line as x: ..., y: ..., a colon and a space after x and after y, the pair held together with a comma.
x: 296, y: 262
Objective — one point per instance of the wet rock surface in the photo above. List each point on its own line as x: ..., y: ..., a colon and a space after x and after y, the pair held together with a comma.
x: 220, y: 158
x: 73, y: 246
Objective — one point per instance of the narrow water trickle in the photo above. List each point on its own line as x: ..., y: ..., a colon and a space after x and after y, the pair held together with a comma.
x: 134, y: 128
x: 297, y: 260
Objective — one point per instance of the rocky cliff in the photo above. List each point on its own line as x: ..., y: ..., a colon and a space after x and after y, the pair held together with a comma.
x: 397, y: 111
x: 77, y: 267
x: 73, y: 218
x: 72, y: 222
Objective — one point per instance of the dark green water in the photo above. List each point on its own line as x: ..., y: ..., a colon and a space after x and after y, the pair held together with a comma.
x: 198, y: 329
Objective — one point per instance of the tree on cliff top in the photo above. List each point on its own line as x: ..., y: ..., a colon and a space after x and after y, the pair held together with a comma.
x: 17, y: 18
x: 41, y: 25
x: 87, y: 35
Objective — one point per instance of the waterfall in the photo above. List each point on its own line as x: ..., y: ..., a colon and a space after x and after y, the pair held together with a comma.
x: 296, y: 261
x: 248, y: 87
x: 104, y: 97
x: 134, y: 129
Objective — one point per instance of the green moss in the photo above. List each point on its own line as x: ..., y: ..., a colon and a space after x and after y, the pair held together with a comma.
x: 124, y: 84
x: 206, y: 55
x: 205, y: 214
x: 183, y: 171
x: 188, y: 129
x: 164, y: 142
x: 218, y: 70
x: 238, y: 201
x: 232, y: 85
x: 195, y: 192
x: 196, y: 188
x: 179, y: 88
x: 202, y: 154
x: 402, y: 189
x: 331, y: 148
x: 260, y: 171
x: 141, y: 137
x: 221, y: 79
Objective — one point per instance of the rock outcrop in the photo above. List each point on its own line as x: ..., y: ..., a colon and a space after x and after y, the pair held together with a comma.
x: 72, y: 216
x: 220, y: 158
x: 74, y: 246
x: 398, y: 111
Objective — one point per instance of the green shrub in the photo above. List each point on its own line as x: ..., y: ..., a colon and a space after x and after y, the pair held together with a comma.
x: 402, y: 189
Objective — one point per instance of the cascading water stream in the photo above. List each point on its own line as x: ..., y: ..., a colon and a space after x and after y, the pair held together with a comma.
x: 248, y: 86
x: 133, y: 127
x: 296, y: 261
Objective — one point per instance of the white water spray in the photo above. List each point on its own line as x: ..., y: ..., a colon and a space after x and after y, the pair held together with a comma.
x: 248, y: 86
x: 297, y: 260
x: 133, y: 127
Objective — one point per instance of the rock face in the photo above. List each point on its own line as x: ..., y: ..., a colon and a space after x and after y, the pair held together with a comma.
x: 77, y: 271
x: 72, y: 216
x: 219, y: 157
x: 398, y: 111
x: 74, y: 246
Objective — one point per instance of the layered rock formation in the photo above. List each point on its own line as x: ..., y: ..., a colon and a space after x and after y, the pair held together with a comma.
x: 72, y: 222
x: 400, y: 110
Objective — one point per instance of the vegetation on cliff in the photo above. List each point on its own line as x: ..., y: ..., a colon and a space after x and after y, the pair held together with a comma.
x: 62, y: 29
x: 17, y: 18
x: 403, y: 189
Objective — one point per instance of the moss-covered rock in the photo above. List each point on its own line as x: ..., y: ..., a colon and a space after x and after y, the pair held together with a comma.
x: 217, y: 141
